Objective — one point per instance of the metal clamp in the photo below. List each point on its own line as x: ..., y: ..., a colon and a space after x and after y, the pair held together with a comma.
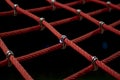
x: 94, y: 59
x: 53, y: 6
x: 108, y: 5
x: 15, y: 12
x: 83, y: 1
x: 8, y: 54
x: 101, y: 23
x: 63, y: 37
x: 41, y: 25
x: 78, y: 12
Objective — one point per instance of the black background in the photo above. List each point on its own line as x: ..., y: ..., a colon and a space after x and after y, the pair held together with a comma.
x: 60, y: 63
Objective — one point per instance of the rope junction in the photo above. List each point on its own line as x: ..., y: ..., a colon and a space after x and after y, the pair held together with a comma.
x: 63, y: 39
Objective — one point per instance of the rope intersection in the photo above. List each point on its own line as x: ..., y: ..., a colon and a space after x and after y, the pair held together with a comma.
x: 64, y: 41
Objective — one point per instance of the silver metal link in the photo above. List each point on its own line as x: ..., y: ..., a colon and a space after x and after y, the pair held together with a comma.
x: 41, y: 25
x: 101, y: 23
x: 78, y: 12
x: 108, y: 5
x: 8, y: 54
x: 62, y: 41
x: 94, y: 59
x: 53, y: 6
x: 15, y: 12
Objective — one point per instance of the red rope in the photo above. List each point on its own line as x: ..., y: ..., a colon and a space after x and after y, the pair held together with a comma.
x: 18, y: 66
x: 86, y: 16
x: 55, y: 23
x: 58, y: 35
x: 105, y: 4
x: 35, y: 10
x: 78, y: 49
x: 82, y: 52
x: 90, y: 67
x: 57, y: 46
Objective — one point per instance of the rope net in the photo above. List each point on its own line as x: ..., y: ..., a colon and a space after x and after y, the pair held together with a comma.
x: 42, y: 24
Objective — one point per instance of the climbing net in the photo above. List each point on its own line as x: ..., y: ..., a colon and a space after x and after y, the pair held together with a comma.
x: 64, y: 41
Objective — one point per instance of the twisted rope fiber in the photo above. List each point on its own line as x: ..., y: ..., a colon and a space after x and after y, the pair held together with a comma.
x: 57, y: 46
x: 90, y: 67
x: 18, y: 66
x: 35, y: 10
x: 104, y: 4
x: 55, y: 23
x: 53, y: 30
x: 78, y: 49
x: 57, y: 34
x: 86, y: 16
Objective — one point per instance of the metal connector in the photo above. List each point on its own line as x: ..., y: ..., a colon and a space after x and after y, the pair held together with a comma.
x: 101, y: 23
x: 41, y: 25
x: 78, y: 12
x: 108, y: 5
x: 8, y: 54
x: 15, y: 11
x: 53, y: 6
x: 94, y: 59
x: 63, y: 37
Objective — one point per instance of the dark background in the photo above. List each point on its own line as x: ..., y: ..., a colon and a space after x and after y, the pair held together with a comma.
x: 60, y: 63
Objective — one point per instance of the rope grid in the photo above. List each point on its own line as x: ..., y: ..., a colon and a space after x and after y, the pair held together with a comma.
x: 64, y: 41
